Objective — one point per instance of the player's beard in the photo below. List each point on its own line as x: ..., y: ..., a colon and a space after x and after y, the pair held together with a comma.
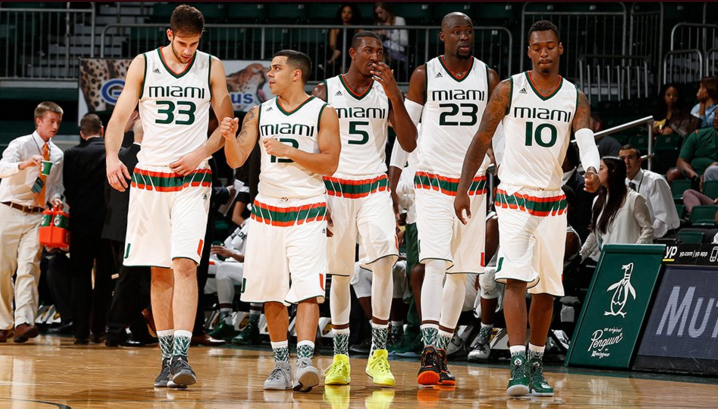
x: 177, y: 56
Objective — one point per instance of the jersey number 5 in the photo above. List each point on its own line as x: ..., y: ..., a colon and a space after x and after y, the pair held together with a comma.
x: 538, y: 135
x: 364, y: 135
x: 170, y: 112
x: 467, y: 110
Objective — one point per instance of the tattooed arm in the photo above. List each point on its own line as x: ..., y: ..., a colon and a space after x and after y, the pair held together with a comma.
x: 494, y: 113
x: 237, y: 149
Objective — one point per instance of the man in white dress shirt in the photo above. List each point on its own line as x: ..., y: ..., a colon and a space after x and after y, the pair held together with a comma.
x: 654, y: 188
x: 24, y: 193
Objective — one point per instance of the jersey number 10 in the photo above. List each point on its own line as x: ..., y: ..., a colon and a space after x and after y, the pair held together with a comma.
x: 538, y: 135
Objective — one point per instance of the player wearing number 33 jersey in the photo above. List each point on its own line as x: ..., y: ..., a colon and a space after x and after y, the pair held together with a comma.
x: 170, y: 188
x: 174, y: 108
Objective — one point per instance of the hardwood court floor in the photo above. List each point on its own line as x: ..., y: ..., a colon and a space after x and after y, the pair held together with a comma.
x: 50, y: 372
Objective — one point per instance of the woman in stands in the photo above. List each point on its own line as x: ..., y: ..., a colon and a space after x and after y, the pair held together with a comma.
x: 704, y: 111
x: 395, y: 41
x: 670, y: 117
x: 347, y: 15
x: 620, y: 215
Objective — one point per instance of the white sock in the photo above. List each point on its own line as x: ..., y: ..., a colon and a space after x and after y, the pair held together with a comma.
x: 431, y: 290
x: 340, y: 299
x: 517, y: 349
x: 536, y: 348
x: 452, y: 299
x: 382, y: 289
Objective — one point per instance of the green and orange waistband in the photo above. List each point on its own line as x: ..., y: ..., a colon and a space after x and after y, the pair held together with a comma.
x: 355, y: 189
x: 170, y: 182
x: 534, y: 205
x: 288, y: 216
x: 447, y: 185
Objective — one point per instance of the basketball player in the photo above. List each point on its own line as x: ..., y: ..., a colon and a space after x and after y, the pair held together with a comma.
x: 300, y: 142
x: 175, y: 86
x: 449, y: 95
x: 366, y: 99
x: 538, y: 109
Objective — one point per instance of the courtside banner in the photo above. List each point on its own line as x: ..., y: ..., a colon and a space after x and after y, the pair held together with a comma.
x: 102, y: 80
x: 616, y: 306
x: 682, y: 330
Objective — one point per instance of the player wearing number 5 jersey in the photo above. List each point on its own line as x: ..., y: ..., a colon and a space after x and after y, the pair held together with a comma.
x: 449, y: 95
x: 286, y: 260
x: 366, y: 98
x: 175, y: 86
x: 539, y: 109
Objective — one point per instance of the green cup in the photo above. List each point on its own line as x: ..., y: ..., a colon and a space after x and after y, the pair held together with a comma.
x: 46, y: 166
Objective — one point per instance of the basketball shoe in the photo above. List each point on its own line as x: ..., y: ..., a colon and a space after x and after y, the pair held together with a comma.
x: 339, y: 372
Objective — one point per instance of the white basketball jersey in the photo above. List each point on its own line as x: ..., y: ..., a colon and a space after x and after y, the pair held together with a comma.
x: 281, y: 177
x: 174, y: 108
x: 538, y: 131
x: 451, y: 116
x: 363, y: 125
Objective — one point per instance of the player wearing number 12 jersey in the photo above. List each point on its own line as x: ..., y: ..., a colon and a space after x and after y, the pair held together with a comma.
x: 286, y: 260
x: 175, y: 86
x: 539, y: 109
x: 366, y: 98
x: 448, y: 95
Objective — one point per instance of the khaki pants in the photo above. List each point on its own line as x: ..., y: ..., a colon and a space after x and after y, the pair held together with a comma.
x: 20, y: 252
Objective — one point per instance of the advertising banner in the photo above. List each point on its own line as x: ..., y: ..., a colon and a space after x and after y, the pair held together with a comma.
x: 682, y: 330
x: 616, y: 306
x: 101, y: 81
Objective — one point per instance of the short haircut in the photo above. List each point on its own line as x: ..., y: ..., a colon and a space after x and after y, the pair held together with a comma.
x: 711, y: 86
x: 187, y: 20
x: 455, y: 16
x: 545, y: 25
x: 47, y: 106
x: 628, y: 147
x: 297, y: 60
x: 360, y: 36
x: 90, y: 125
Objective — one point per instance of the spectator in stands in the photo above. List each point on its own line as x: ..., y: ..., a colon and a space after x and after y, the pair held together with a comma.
x: 693, y: 198
x: 84, y: 177
x: 607, y: 145
x: 654, y: 188
x: 620, y: 215
x: 699, y: 156
x: 670, y: 117
x: 395, y: 40
x: 24, y: 193
x: 704, y: 111
x: 347, y: 15
x: 580, y: 216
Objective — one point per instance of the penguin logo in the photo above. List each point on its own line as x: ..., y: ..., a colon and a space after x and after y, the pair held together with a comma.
x: 621, y: 291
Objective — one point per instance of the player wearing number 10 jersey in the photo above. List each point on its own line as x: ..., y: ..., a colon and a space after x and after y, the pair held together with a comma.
x: 539, y: 109
x: 448, y: 95
x: 175, y: 86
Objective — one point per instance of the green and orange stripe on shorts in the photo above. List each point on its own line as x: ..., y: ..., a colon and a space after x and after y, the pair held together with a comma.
x: 534, y: 205
x: 288, y: 216
x: 355, y: 189
x: 446, y: 185
x: 170, y: 181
